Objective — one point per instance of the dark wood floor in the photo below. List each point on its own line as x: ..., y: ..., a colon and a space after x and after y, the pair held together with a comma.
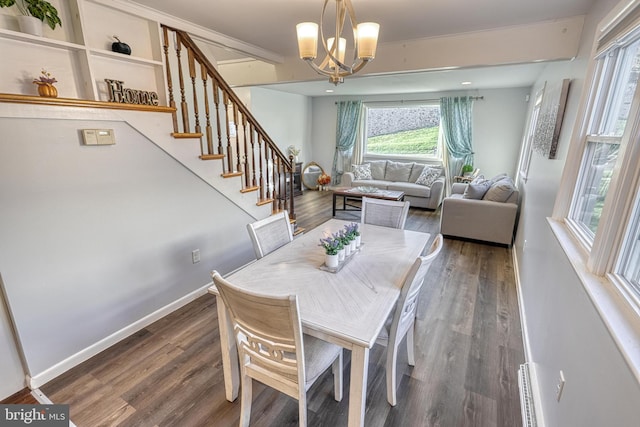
x: 469, y: 348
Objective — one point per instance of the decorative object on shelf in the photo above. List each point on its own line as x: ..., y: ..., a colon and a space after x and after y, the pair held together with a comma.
x: 45, y: 85
x: 32, y: 11
x: 120, y: 47
x: 323, y: 181
x: 123, y: 95
x: 467, y: 170
x: 365, y: 40
x: 293, y: 151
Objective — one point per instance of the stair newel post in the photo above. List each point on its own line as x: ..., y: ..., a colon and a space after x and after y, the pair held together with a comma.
x: 184, y: 108
x: 172, y: 101
x: 204, y: 74
x: 228, y: 127
x: 192, y: 75
x: 238, y: 153
x: 216, y: 100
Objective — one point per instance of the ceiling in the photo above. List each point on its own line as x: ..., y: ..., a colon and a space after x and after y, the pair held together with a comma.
x: 270, y: 25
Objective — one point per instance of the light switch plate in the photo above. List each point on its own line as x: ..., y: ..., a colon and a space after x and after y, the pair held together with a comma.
x: 98, y: 136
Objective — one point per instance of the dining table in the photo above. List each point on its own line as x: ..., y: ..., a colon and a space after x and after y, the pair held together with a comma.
x: 347, y: 307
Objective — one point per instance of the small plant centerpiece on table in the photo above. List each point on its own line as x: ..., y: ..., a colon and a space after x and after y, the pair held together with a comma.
x: 45, y: 85
x: 354, y: 234
x: 331, y: 247
x: 345, y: 240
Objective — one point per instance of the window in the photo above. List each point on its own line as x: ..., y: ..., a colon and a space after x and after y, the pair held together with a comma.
x: 403, y: 130
x: 525, y: 157
x: 604, y: 213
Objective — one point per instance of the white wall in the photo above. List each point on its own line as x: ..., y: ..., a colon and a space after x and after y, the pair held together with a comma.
x: 285, y: 117
x: 498, y: 123
x: 564, y: 330
x: 95, y: 238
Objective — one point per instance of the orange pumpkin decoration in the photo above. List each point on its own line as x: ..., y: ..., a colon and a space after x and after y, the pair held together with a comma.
x: 47, y: 90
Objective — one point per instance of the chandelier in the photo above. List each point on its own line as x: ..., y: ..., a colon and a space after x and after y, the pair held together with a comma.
x: 365, y: 40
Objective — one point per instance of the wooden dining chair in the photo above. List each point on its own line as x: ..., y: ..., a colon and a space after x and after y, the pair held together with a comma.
x: 272, y: 348
x: 402, y: 321
x: 387, y: 213
x: 270, y: 233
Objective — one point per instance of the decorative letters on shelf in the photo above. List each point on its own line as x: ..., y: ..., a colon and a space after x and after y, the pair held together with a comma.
x: 123, y: 95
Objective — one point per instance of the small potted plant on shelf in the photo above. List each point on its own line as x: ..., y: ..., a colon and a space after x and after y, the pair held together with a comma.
x: 32, y: 11
x: 331, y: 247
x: 45, y: 85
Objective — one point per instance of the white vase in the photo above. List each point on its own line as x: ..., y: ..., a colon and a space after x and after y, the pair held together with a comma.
x: 358, y: 241
x: 30, y: 25
x: 331, y: 261
x: 341, y: 255
x: 353, y: 245
x: 347, y: 250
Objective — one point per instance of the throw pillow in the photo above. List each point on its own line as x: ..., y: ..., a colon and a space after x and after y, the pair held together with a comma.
x: 362, y: 171
x: 499, y: 177
x: 398, y: 172
x: 500, y: 191
x: 416, y: 171
x: 428, y: 176
x: 477, y: 188
x: 378, y: 168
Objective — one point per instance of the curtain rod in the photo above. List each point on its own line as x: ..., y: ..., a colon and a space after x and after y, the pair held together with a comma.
x: 402, y: 101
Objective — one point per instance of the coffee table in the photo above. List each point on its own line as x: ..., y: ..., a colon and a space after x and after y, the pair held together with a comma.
x: 355, y: 193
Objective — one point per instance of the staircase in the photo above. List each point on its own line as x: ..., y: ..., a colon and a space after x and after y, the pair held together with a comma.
x: 208, y: 110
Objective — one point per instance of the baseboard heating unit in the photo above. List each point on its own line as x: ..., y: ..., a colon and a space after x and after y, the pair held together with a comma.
x: 526, y: 397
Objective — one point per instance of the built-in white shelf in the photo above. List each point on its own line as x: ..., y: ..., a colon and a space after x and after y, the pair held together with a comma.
x: 78, y: 54
x: 41, y: 41
x: 122, y: 57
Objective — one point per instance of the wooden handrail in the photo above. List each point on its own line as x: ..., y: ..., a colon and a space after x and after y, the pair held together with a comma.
x: 271, y: 173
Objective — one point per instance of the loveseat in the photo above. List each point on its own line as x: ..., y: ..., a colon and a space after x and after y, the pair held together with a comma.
x: 490, y: 216
x: 423, y: 185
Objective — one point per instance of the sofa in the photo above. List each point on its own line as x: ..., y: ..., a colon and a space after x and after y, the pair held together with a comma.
x: 423, y: 185
x: 488, y: 216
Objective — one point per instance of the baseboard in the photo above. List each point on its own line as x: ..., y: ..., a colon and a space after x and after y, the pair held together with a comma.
x: 36, y: 381
x: 535, y: 388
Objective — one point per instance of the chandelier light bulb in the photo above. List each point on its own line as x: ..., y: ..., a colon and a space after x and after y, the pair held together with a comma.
x: 307, y: 40
x: 367, y: 40
x: 342, y: 48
